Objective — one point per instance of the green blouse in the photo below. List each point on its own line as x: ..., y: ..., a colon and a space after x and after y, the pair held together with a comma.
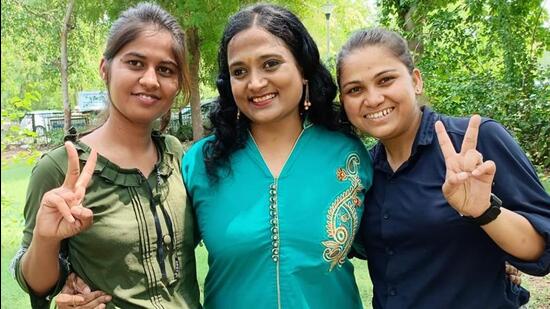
x: 140, y: 248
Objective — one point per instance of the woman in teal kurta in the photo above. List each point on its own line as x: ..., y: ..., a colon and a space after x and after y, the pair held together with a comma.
x: 278, y: 189
x: 282, y: 242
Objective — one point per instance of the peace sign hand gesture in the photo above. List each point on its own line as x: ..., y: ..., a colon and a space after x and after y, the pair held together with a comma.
x: 468, y: 179
x: 61, y: 214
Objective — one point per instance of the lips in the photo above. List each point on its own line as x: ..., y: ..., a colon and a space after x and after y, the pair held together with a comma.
x: 379, y: 114
x: 262, y: 100
x: 147, y: 98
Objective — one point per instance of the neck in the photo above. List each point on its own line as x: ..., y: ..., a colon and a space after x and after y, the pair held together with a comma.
x: 126, y: 144
x: 399, y: 148
x: 275, y: 142
x: 134, y: 137
x: 274, y: 135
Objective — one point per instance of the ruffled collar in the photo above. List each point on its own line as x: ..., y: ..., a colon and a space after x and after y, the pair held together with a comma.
x: 123, y: 176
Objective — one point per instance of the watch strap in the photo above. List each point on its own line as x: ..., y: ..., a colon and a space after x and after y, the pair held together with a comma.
x: 490, y: 214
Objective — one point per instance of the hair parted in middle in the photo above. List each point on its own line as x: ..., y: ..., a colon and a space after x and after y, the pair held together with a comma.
x: 134, y: 21
x: 231, y: 133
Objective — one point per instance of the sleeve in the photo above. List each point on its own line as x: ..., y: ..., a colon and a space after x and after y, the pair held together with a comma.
x: 516, y: 183
x: 187, y: 169
x: 358, y: 248
x: 45, y: 176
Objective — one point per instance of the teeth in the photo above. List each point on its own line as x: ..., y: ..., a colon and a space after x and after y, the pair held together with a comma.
x: 263, y: 98
x: 379, y: 114
x: 146, y: 96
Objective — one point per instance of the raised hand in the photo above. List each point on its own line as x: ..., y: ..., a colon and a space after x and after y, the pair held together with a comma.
x: 468, y: 178
x: 61, y: 214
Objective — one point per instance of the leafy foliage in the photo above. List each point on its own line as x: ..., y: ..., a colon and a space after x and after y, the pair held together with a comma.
x: 482, y: 57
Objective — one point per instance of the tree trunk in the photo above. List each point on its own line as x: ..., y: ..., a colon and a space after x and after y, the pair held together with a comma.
x: 409, y: 25
x: 192, y: 37
x: 65, y: 28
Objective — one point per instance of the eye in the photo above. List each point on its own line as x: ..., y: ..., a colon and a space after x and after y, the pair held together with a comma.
x: 386, y: 80
x: 271, y: 64
x: 353, y: 90
x: 165, y: 71
x: 135, y: 63
x: 238, y: 72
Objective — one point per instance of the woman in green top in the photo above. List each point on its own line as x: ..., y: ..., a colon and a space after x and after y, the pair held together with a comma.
x: 140, y: 247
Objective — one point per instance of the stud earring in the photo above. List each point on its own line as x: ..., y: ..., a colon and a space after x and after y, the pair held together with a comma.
x: 307, y: 103
x: 238, y: 114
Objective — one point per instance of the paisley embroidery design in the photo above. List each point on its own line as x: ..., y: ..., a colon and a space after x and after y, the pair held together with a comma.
x: 342, y: 220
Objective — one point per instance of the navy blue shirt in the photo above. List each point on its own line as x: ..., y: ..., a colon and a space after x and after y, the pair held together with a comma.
x: 421, y: 252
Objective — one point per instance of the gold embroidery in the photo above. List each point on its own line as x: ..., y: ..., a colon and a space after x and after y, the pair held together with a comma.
x: 342, y: 220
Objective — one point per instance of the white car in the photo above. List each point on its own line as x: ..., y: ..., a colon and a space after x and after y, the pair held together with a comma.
x: 43, y: 121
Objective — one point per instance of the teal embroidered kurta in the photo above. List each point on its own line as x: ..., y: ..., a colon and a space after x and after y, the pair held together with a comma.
x: 282, y: 242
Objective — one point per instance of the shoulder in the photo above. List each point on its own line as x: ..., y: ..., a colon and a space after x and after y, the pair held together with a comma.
x: 52, y: 161
x: 195, y: 152
x: 331, y: 137
x: 489, y: 129
x: 171, y: 144
x: 193, y: 160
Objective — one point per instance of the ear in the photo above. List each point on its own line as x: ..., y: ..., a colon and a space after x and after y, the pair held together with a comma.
x: 103, y: 69
x: 417, y: 81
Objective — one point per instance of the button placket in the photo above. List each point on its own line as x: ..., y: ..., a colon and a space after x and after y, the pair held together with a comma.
x: 274, y: 222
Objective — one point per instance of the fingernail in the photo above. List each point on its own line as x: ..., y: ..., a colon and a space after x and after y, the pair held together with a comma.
x: 71, y: 219
x: 87, y: 290
x: 108, y: 298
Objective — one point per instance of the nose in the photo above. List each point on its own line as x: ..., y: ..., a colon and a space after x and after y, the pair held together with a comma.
x: 257, y: 81
x: 149, y: 79
x: 373, y: 98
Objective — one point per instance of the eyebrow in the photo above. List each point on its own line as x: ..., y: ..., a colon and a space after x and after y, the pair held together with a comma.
x: 141, y: 56
x: 262, y: 57
x: 375, y: 76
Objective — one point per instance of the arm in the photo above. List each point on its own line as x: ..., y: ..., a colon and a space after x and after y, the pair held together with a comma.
x: 468, y: 186
x: 59, y: 216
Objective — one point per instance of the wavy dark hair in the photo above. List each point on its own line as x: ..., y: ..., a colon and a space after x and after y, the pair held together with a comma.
x: 231, y: 134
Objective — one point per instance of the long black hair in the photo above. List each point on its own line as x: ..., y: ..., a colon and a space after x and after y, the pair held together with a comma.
x: 230, y: 133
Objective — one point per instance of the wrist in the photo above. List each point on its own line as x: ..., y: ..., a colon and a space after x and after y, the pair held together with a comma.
x: 490, y: 214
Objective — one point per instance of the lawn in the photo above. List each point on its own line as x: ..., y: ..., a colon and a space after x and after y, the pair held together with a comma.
x: 14, y: 183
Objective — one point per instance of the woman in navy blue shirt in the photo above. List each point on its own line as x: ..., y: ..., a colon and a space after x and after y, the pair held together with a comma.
x: 448, y: 193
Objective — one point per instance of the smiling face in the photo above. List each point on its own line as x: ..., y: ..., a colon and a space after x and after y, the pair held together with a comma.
x: 379, y: 94
x: 142, y: 78
x: 265, y: 79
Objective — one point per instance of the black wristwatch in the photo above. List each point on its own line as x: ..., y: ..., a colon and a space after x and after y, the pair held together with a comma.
x: 490, y: 214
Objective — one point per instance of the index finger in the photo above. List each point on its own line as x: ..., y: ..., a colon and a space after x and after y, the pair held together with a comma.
x: 86, y: 174
x: 444, y: 141
x: 470, y: 138
x: 73, y: 166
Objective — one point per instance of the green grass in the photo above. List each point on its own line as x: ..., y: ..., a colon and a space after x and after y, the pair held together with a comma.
x: 14, y: 184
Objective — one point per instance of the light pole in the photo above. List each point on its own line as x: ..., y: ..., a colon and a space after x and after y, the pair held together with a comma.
x: 327, y: 9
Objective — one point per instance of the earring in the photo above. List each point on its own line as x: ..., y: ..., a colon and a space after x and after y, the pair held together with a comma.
x: 238, y: 114
x: 418, y: 91
x: 307, y: 103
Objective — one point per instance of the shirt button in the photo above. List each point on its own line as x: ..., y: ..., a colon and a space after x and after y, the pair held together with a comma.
x: 393, y: 292
x: 167, y: 239
x: 389, y: 251
x: 386, y: 216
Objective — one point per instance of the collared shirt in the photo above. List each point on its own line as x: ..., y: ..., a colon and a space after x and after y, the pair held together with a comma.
x: 281, y: 242
x: 421, y: 252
